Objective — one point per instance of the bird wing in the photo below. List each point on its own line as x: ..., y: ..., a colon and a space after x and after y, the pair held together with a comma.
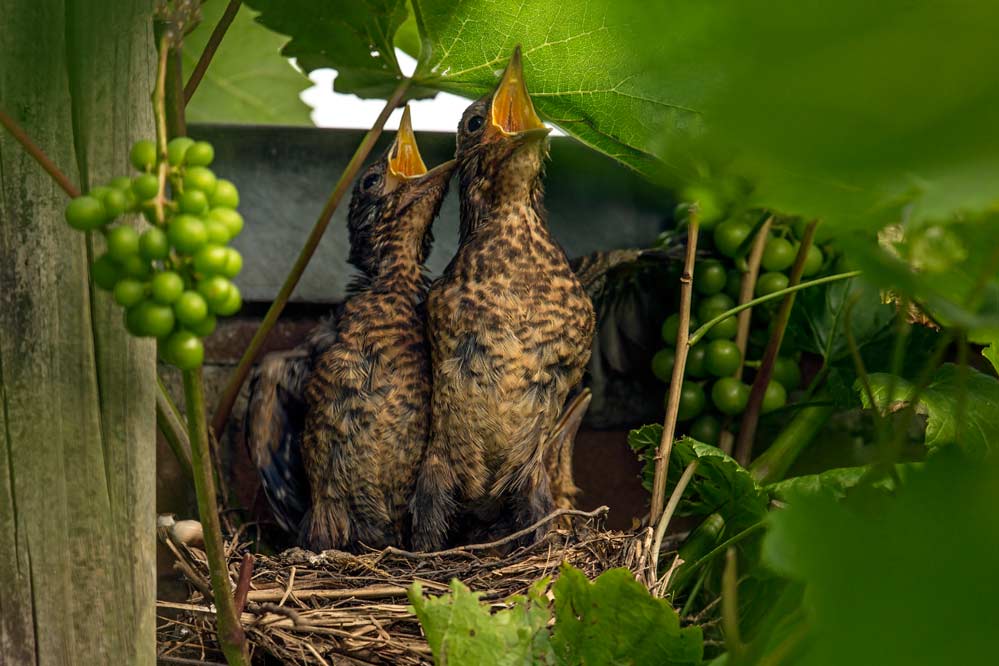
x: 275, y: 418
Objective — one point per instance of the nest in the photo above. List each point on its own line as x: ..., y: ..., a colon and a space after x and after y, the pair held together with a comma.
x: 340, y: 608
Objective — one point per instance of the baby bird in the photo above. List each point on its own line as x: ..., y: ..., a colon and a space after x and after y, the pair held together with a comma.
x: 510, y: 330
x: 366, y: 395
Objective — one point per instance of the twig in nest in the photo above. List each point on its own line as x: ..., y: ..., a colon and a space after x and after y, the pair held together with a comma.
x: 243, y: 584
x: 289, y: 613
x: 596, y: 513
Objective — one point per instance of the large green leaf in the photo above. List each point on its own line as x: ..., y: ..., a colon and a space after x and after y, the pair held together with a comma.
x: 614, y: 620
x: 720, y: 484
x: 460, y: 630
x: 850, y: 111
x: 357, y: 38
x: 961, y: 406
x: 904, y: 579
x: 248, y: 81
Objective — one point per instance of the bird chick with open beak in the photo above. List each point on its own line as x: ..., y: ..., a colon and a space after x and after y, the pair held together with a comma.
x: 367, y: 393
x: 510, y: 330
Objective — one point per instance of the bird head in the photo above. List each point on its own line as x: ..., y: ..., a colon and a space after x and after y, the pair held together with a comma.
x: 501, y: 140
x: 395, y: 201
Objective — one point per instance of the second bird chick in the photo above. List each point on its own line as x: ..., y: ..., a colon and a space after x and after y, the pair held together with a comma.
x: 367, y: 418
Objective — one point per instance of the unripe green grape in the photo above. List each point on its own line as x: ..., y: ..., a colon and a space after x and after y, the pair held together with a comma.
x: 723, y: 330
x: 770, y: 283
x: 813, y: 261
x: 730, y: 235
x: 232, y: 304
x: 115, y: 203
x: 730, y: 396
x: 85, y: 213
x: 166, y: 287
x: 105, y: 272
x: 177, y: 149
x: 193, y: 202
x: 123, y: 243
x: 775, y: 397
x: 695, y: 362
x: 199, y: 178
x: 210, y: 260
x: 200, y: 154
x: 184, y: 350
x: 712, y: 306
x: 121, y: 183
x: 187, y: 234
x: 671, y: 327
x: 723, y: 358
x: 149, y: 319
x: 692, y: 401
x: 129, y: 292
x: 153, y: 244
x: 233, y: 263
x: 709, y: 277
x: 228, y: 217
x: 787, y: 372
x: 216, y: 290
x: 145, y: 187
x: 136, y: 267
x: 143, y: 155
x: 191, y: 309
x: 778, y: 254
x: 662, y: 364
x: 710, y: 209
x: 705, y: 429
x: 205, y: 327
x: 218, y: 232
x: 225, y: 195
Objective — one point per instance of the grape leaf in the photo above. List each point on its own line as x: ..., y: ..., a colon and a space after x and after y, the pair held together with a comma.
x: 844, y: 111
x: 460, y: 630
x: 720, y: 484
x: 356, y: 38
x: 883, y: 572
x: 834, y: 482
x: 818, y: 322
x: 614, y: 620
x: 248, y: 80
x: 957, y: 288
x: 974, y: 426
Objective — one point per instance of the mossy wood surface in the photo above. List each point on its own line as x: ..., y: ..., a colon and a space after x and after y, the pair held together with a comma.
x: 77, y: 422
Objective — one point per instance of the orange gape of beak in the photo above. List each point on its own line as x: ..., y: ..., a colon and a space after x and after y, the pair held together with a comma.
x: 404, y: 158
x: 512, y: 110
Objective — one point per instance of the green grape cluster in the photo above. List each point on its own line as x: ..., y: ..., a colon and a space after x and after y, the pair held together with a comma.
x: 710, y: 391
x: 174, y: 278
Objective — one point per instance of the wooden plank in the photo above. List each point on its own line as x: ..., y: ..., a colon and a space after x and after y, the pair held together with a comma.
x: 77, y: 420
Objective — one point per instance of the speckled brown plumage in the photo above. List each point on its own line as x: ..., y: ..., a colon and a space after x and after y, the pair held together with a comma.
x: 510, y: 328
x: 367, y: 398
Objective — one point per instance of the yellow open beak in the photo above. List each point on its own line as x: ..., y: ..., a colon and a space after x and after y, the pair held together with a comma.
x: 512, y: 110
x: 404, y: 157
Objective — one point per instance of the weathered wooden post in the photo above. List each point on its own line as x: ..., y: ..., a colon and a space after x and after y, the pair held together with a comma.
x: 77, y: 420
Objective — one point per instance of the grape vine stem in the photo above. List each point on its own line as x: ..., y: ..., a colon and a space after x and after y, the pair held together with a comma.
x: 751, y: 417
x: 231, y: 637
x: 679, y: 366
x: 198, y: 73
x: 228, y: 397
x: 746, y: 287
x: 43, y: 160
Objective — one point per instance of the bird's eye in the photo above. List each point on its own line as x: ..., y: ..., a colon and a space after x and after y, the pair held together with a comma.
x: 475, y: 123
x: 370, y: 181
